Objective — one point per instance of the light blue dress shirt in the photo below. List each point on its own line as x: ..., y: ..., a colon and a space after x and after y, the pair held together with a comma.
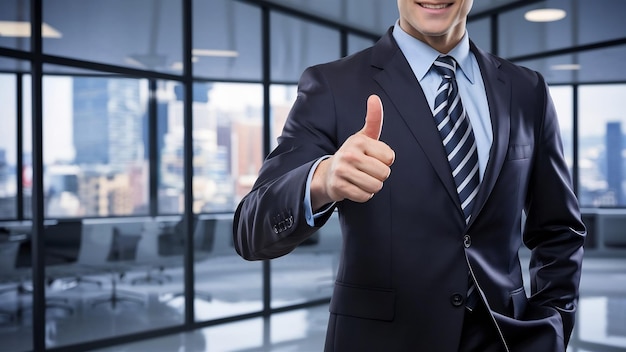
x: 471, y: 88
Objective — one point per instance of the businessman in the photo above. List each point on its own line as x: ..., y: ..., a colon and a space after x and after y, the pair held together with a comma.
x: 442, y: 161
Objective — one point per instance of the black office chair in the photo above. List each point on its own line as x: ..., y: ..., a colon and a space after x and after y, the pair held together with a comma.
x: 62, y: 243
x: 122, y: 251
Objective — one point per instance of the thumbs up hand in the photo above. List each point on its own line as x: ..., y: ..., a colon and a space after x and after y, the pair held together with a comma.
x: 358, y: 169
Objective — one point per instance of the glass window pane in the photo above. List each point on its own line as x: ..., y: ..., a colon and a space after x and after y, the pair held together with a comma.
x: 8, y: 146
x: 601, y: 146
x: 142, y: 34
x: 227, y: 40
x: 112, y: 277
x: 370, y: 15
x: 14, y: 66
x: 15, y: 24
x: 62, y: 174
x: 94, y: 158
x: 589, y: 14
x: 16, y: 289
x: 225, y: 284
x: 227, y: 143
x: 602, y: 65
x: 517, y: 36
x: 308, y: 273
x: 169, y: 140
x: 282, y: 98
x: 297, y: 44
x: 600, y: 320
x: 319, y: 7
x: 480, y: 32
x: 357, y: 43
x: 15, y: 269
x: 485, y: 5
x: 563, y: 98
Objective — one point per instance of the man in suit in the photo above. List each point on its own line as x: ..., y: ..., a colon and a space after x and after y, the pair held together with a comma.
x: 416, y: 273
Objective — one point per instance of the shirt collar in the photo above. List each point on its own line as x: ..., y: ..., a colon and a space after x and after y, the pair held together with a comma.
x: 421, y: 56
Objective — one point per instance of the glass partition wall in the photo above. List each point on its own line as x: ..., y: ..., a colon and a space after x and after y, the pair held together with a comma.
x: 131, y: 130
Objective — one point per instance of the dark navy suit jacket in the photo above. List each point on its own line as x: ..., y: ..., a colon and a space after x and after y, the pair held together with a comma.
x: 406, y: 253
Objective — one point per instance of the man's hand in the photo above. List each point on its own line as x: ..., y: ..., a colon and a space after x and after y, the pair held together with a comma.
x: 360, y: 166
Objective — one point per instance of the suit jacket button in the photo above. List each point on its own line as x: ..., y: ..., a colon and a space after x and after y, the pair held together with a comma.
x: 456, y: 299
x: 467, y: 241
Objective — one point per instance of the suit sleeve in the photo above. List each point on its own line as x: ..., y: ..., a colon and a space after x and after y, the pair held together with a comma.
x: 554, y: 231
x: 270, y: 220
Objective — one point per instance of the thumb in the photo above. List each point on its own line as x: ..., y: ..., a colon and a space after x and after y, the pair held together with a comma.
x: 373, y: 118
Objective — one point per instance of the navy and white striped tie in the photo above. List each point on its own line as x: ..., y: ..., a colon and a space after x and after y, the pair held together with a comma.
x: 456, y: 134
x: 460, y: 145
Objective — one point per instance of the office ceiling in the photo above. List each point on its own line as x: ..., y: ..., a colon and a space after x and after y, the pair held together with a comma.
x: 587, y: 24
x: 147, y: 34
x: 370, y: 15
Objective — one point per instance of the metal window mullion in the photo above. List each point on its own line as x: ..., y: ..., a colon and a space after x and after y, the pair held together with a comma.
x: 37, y: 243
x: 188, y: 161
x: 266, y: 78
x: 153, y: 152
x: 19, y: 140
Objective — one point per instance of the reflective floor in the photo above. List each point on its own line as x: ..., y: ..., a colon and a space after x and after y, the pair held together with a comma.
x: 601, y: 324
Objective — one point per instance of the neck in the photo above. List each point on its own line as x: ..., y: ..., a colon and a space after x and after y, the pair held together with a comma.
x: 442, y: 44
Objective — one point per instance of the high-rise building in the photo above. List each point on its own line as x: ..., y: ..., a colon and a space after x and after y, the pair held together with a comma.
x: 4, y: 172
x: 108, y: 124
x: 91, y: 120
x: 7, y: 196
x: 614, y: 160
x: 108, y: 135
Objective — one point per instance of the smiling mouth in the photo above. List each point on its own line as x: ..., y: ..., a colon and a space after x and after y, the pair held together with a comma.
x: 434, y: 6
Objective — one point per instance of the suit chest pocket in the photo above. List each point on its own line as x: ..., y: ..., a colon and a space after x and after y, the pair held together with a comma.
x: 519, y: 152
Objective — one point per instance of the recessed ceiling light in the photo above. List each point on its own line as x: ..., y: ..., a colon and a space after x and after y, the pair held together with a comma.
x: 566, y: 67
x: 544, y: 15
x: 22, y: 29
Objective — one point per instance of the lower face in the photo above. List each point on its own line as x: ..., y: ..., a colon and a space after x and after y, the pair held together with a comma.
x: 434, y: 20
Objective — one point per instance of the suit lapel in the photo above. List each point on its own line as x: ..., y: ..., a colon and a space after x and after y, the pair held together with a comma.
x: 405, y: 93
x: 498, y: 89
x: 403, y: 90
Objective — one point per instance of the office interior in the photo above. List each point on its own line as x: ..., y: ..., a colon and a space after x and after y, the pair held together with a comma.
x: 132, y: 128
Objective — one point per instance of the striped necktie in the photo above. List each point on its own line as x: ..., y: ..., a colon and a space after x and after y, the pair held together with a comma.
x: 456, y: 134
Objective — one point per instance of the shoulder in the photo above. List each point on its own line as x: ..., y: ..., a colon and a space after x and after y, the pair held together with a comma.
x: 347, y: 64
x: 518, y: 73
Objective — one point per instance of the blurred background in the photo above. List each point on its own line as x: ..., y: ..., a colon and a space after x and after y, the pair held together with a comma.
x: 130, y: 130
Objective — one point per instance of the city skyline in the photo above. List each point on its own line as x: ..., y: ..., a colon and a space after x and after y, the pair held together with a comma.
x: 58, y: 97
x: 227, y: 143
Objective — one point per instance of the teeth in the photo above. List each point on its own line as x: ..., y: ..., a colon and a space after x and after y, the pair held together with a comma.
x: 433, y: 6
